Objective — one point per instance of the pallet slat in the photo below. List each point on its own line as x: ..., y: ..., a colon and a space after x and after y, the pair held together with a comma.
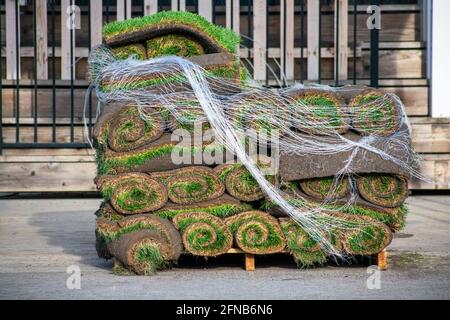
x: 12, y: 38
x: 287, y: 53
x: 259, y: 40
x: 41, y: 39
x: 150, y: 7
x: 313, y: 18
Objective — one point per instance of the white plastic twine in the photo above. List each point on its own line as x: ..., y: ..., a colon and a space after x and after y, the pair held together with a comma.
x: 223, y: 101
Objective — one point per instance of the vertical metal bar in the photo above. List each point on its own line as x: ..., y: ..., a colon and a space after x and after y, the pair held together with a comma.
x: 355, y: 25
x: 125, y: 10
x: 249, y: 23
x: 196, y: 6
x: 320, y: 42
x: 17, y: 8
x: 53, y: 2
x: 1, y: 91
x: 72, y: 96
x: 374, y: 52
x: 302, y: 39
x: 284, y: 43
x: 107, y: 10
x: 267, y: 43
x: 336, y: 54
x: 35, y: 139
x: 214, y: 11
x: 90, y: 92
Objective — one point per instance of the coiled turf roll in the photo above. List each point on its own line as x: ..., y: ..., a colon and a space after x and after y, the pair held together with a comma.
x: 256, y: 232
x: 128, y: 131
x: 189, y: 116
x: 323, y: 188
x: 319, y: 112
x: 375, y: 113
x: 133, y: 193
x: 191, y: 185
x: 109, y: 234
x: 240, y: 183
x: 174, y: 45
x: 136, y: 50
x: 306, y: 251
x: 364, y: 236
x: 143, y: 252
x: 384, y: 190
x: 359, y: 236
x: 203, y: 234
x: 260, y: 115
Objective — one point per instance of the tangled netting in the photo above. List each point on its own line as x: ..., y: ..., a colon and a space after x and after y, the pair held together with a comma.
x: 233, y: 109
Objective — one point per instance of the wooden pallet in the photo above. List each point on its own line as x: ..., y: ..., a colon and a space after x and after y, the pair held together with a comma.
x: 249, y: 259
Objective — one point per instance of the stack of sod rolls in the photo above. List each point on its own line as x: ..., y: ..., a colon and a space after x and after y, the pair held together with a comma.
x: 156, y: 208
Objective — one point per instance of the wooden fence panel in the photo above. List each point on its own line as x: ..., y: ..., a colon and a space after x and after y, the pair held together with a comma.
x: 259, y: 39
x: 12, y: 16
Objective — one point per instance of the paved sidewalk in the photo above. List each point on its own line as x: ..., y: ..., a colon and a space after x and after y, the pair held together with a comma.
x: 40, y: 239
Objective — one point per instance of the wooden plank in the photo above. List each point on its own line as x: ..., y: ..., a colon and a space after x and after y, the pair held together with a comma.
x: 259, y: 39
x: 205, y: 9
x: 341, y: 39
x: 41, y: 39
x: 123, y: 10
x: 96, y: 17
x: 178, y: 5
x: 382, y: 260
x: 397, y: 63
x: 47, y: 177
x: 431, y: 138
x: 67, y: 42
x: 12, y: 38
x: 249, y: 262
x: 313, y: 17
x: 44, y: 134
x: 150, y: 7
x: 31, y: 153
x: 287, y: 39
x: 435, y: 167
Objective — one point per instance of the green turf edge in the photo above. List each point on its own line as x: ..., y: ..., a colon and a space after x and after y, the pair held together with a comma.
x: 226, y: 38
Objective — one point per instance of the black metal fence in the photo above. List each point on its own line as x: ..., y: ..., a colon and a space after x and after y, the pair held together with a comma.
x: 34, y: 112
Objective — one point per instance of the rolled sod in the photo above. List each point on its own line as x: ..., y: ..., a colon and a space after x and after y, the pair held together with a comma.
x: 217, y: 65
x: 306, y: 251
x: 394, y: 218
x: 174, y: 44
x: 109, y: 234
x: 363, y: 236
x: 294, y: 167
x: 256, y: 232
x: 375, y: 112
x: 325, y: 188
x: 222, y: 207
x: 143, y: 252
x: 189, y: 117
x: 240, y: 183
x: 133, y: 193
x: 191, y: 185
x: 211, y: 37
x: 318, y: 112
x: 260, y: 115
x: 203, y: 234
x: 133, y: 50
x: 124, y: 129
x: 159, y: 155
x: 384, y: 190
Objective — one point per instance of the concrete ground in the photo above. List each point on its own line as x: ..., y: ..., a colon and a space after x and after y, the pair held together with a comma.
x: 41, y: 239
